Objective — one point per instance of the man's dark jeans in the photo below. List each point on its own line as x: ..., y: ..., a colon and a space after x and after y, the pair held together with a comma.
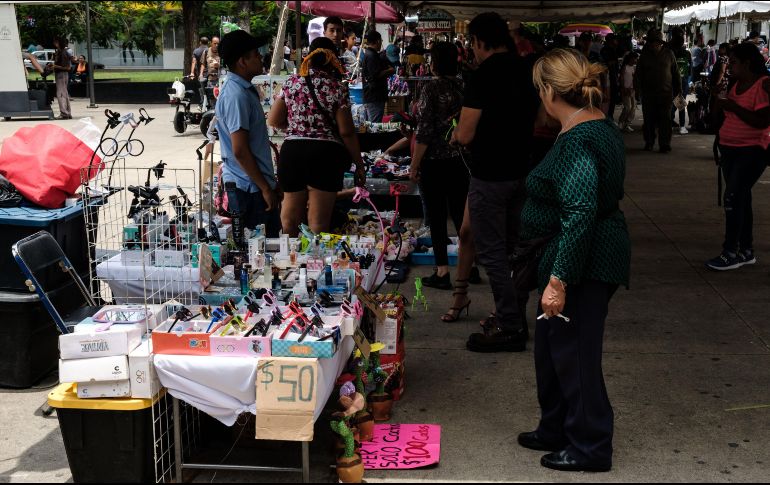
x: 250, y: 207
x: 495, y: 210
x: 657, y: 119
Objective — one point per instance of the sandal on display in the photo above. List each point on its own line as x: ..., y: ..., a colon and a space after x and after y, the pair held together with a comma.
x: 453, y: 315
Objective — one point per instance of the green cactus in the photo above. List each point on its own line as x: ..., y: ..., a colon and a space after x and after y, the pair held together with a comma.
x: 361, y: 366
x: 342, y: 429
x: 380, y: 376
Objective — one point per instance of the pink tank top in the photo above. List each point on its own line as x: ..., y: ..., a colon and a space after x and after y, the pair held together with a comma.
x: 737, y: 133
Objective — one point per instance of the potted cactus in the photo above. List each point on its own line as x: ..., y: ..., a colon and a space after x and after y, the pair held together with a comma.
x: 363, y: 419
x: 380, y: 401
x: 350, y: 467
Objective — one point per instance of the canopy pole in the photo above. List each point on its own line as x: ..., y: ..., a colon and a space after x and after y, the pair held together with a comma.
x: 719, y: 12
x: 91, y: 69
x: 298, y: 36
x: 373, y: 12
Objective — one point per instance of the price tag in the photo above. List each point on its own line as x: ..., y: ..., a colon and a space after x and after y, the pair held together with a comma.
x: 369, y: 302
x: 287, y: 394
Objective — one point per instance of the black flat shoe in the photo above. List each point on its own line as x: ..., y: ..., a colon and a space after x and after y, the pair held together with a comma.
x: 438, y: 282
x: 563, y: 462
x: 497, y: 342
x: 532, y: 441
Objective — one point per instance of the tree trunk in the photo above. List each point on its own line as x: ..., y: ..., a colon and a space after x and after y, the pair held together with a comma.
x: 277, y: 61
x: 245, y: 11
x: 191, y: 13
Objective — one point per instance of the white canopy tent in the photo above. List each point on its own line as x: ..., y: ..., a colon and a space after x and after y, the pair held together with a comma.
x: 711, y: 10
x: 547, y: 11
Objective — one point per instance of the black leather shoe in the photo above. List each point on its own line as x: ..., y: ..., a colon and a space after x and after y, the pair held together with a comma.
x: 497, y: 342
x: 563, y: 462
x: 648, y: 147
x: 532, y: 441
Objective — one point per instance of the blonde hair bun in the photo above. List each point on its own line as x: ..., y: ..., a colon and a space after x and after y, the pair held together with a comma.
x: 571, y: 75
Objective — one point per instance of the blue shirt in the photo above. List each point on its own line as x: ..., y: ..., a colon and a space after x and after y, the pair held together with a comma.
x: 239, y: 108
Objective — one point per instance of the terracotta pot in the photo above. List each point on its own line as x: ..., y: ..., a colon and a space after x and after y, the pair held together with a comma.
x: 365, y: 425
x: 381, y: 406
x: 339, y: 447
x: 350, y: 470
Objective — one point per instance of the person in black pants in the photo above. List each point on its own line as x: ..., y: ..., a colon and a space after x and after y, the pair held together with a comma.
x: 437, y: 166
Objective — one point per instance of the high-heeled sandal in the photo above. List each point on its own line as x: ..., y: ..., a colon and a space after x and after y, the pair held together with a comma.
x: 454, y: 313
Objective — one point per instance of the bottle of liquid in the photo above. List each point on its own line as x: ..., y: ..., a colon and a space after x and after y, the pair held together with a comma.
x: 302, y: 285
x: 293, y: 254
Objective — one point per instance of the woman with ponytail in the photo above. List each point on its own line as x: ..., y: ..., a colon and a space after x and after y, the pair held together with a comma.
x: 321, y: 141
x: 572, y: 210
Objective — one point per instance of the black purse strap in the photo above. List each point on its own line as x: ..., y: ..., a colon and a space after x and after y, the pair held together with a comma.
x: 326, y: 115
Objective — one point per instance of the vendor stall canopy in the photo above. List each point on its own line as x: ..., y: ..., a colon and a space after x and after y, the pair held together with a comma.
x: 356, y: 11
x: 547, y: 11
x: 711, y: 10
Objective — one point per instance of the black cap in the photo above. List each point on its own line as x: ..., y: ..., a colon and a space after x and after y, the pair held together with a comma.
x: 235, y: 45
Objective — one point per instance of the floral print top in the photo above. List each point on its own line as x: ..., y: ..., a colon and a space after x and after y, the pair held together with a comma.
x: 306, y: 119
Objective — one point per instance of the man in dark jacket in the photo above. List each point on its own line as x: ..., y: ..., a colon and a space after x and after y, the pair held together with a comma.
x: 375, y: 72
x: 658, y: 78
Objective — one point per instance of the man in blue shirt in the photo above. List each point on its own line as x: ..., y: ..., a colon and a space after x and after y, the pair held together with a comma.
x: 248, y: 173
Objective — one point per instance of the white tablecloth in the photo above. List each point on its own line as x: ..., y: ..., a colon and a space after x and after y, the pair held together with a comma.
x: 158, y: 285
x: 225, y: 387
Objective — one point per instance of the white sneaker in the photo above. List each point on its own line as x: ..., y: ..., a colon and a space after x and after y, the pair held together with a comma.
x: 683, y: 131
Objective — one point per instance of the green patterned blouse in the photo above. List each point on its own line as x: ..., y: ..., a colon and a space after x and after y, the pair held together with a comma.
x: 576, y: 190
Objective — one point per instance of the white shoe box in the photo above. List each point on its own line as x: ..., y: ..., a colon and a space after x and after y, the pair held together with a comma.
x: 94, y: 370
x: 144, y: 379
x: 87, y: 343
x: 92, y: 390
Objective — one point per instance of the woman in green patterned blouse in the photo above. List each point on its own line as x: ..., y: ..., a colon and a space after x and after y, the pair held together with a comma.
x: 573, y: 195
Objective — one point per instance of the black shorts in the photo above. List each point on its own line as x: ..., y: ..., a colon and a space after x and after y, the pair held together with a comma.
x: 318, y: 164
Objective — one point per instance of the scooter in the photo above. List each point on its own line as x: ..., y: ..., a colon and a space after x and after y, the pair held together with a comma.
x: 184, y: 116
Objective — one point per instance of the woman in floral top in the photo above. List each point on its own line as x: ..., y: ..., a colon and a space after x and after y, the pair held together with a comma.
x: 320, y: 140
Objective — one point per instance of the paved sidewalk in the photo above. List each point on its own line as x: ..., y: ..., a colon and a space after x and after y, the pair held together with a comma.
x: 687, y: 355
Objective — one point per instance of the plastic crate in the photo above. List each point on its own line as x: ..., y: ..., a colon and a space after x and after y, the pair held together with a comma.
x: 106, y: 440
x: 29, y: 339
x: 429, y: 259
x: 66, y: 225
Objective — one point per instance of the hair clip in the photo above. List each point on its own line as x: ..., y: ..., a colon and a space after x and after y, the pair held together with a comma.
x: 217, y: 315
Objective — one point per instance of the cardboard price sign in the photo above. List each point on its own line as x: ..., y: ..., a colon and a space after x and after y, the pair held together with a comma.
x: 367, y: 300
x: 402, y: 447
x: 287, y: 391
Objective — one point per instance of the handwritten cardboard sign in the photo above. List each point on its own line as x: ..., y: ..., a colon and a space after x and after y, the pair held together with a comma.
x: 287, y: 390
x: 402, y: 447
x: 367, y: 300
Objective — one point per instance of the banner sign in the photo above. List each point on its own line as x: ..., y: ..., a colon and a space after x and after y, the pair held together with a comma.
x: 402, y: 447
x: 434, y: 25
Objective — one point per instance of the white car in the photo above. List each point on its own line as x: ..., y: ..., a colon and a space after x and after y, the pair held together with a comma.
x: 44, y: 57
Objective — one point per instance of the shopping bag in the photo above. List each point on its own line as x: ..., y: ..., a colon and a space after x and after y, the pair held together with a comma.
x: 44, y: 162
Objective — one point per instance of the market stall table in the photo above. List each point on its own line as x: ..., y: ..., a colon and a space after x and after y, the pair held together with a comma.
x: 152, y: 284
x: 225, y: 387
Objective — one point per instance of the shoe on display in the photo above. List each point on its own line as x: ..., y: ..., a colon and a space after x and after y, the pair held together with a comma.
x: 683, y: 131
x: 562, y: 461
x: 726, y: 261
x: 747, y: 256
x: 438, y: 282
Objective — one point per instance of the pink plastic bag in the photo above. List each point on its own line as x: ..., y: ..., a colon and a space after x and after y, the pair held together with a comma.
x: 44, y: 163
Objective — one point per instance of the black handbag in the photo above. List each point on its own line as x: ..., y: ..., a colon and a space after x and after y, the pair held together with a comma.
x: 525, y: 261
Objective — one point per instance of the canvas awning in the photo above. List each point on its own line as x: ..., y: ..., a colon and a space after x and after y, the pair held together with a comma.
x: 356, y: 11
x: 708, y: 11
x: 545, y: 11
